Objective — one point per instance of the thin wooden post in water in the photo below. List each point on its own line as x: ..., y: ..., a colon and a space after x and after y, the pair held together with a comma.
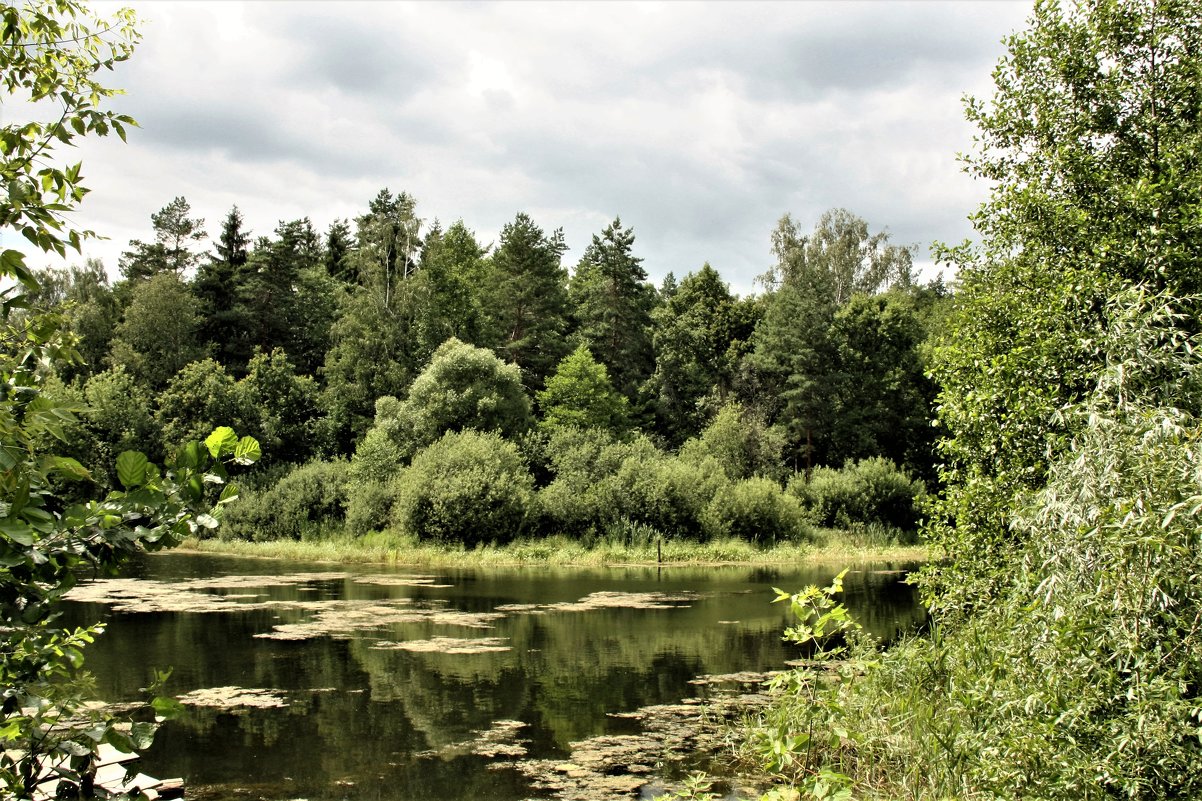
x: 659, y: 549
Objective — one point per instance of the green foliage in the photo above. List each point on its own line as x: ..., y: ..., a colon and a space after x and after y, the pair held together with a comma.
x: 740, y: 443
x: 283, y: 299
x: 463, y: 387
x: 668, y: 494
x: 201, y: 396
x: 1084, y: 679
x: 367, y: 359
x: 447, y: 288
x: 799, y: 739
x: 174, y: 231
x: 469, y: 487
x: 755, y: 509
x: 866, y: 491
x: 90, y: 309
x: 796, y: 366
x: 834, y: 364
x: 385, y: 449
x: 1090, y: 142
x: 840, y: 256
x: 884, y: 402
x: 51, y: 57
x: 701, y: 333
x: 527, y: 299
x: 216, y: 291
x: 580, y: 500
x: 579, y: 394
x: 284, y: 405
x: 158, y: 335
x: 369, y: 507
x: 118, y: 417
x: 611, y: 304
x: 308, y: 500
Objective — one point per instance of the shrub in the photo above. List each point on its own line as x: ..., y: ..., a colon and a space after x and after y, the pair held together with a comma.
x: 463, y: 387
x: 756, y: 510
x: 369, y: 507
x: 580, y: 500
x: 468, y: 487
x: 304, y: 501
x: 666, y: 493
x: 381, y: 455
x: 867, y: 491
x: 743, y: 445
x: 198, y: 398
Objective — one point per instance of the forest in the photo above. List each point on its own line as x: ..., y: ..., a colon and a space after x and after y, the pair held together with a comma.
x: 405, y: 377
x: 399, y: 376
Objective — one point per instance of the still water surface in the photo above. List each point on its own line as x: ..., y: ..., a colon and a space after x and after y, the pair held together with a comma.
x: 558, y: 649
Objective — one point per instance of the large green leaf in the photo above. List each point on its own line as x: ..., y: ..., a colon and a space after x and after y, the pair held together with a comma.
x: 131, y: 469
x: 247, y: 451
x: 222, y: 441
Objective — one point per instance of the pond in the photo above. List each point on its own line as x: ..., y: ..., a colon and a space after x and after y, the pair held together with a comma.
x: 308, y: 681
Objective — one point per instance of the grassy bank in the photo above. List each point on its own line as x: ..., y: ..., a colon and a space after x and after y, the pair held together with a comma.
x: 391, y: 549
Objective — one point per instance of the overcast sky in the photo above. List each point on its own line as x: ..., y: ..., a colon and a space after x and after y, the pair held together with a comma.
x: 699, y: 124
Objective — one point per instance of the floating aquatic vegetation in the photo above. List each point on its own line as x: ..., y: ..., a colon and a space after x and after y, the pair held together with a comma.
x: 233, y: 698
x: 361, y: 616
x: 498, y: 741
x: 608, y: 600
x: 389, y: 580
x: 746, y: 677
x: 617, y: 766
x: 447, y: 645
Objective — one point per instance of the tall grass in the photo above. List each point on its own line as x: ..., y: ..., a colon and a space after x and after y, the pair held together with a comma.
x: 390, y: 548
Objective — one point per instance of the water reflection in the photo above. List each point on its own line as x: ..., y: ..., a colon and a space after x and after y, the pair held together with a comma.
x: 368, y: 720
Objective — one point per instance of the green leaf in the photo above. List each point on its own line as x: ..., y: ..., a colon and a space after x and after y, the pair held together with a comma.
x: 222, y: 441
x: 189, y: 456
x: 247, y: 451
x: 17, y: 531
x: 131, y: 469
x: 166, y: 708
x: 67, y: 467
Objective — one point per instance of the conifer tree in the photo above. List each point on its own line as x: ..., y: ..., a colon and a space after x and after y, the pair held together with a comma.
x: 528, y: 299
x: 611, y: 304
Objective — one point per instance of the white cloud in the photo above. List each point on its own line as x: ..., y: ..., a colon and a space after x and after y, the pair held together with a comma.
x: 700, y: 124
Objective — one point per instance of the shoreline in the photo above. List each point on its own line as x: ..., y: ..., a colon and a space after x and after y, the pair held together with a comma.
x: 556, y: 552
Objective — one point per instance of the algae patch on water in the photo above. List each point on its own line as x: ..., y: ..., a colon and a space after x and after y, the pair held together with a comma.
x: 608, y: 600
x: 233, y: 698
x: 343, y: 618
x: 447, y: 645
x: 386, y: 580
x: 498, y: 741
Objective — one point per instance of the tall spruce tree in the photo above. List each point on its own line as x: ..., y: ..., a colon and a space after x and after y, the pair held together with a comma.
x: 611, y: 304
x: 528, y: 299
x: 339, y: 244
x: 216, y: 289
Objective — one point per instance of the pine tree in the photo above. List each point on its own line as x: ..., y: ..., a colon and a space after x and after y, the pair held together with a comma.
x: 174, y: 233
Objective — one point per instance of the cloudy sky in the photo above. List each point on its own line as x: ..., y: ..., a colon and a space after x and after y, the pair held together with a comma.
x: 699, y: 124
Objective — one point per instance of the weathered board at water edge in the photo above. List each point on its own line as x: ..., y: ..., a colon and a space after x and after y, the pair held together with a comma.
x: 307, y: 681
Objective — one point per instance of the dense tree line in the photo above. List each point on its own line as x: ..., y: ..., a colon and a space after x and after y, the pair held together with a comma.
x: 373, y: 342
